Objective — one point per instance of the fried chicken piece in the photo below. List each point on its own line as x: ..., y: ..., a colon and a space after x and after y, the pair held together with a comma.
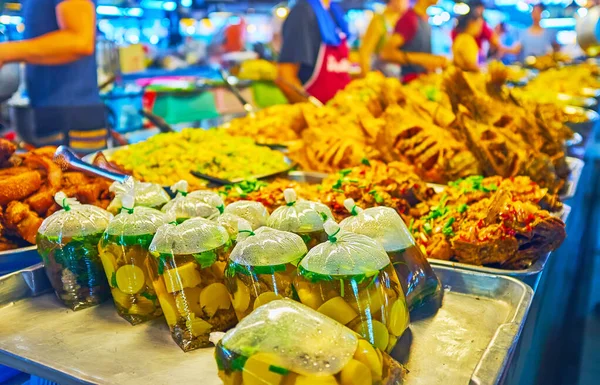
x: 19, y: 187
x: 7, y: 149
x: 22, y: 220
x: 43, y: 200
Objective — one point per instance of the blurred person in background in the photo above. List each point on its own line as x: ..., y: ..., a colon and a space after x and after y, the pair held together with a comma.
x: 314, y: 51
x: 59, y: 49
x: 535, y: 40
x: 487, y: 34
x: 410, y: 45
x: 464, y: 48
x: 380, y: 29
x: 507, y: 38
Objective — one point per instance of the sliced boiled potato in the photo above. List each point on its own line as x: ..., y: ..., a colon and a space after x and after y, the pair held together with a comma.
x: 131, y: 279
x: 188, y: 301
x: 241, y: 298
x: 256, y: 370
x: 265, y: 298
x: 122, y: 299
x: 356, y: 373
x: 309, y: 294
x: 181, y: 277
x: 339, y: 310
x: 159, y: 287
x: 169, y: 308
x: 198, y: 326
x: 367, y: 354
x: 399, y: 318
x: 372, y: 299
x: 143, y: 306
x: 377, y: 334
x: 109, y: 262
x: 316, y: 380
x: 214, y: 297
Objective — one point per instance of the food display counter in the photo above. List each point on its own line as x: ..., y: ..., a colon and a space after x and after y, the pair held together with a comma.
x: 484, y: 199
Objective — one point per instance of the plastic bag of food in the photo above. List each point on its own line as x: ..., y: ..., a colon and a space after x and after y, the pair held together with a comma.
x: 285, y: 342
x: 124, y: 253
x: 188, y: 269
x: 146, y: 194
x: 383, y: 224
x: 253, y: 212
x: 205, y: 196
x: 261, y: 267
x: 184, y: 206
x: 350, y: 278
x: 67, y: 241
x: 232, y: 223
x: 302, y: 217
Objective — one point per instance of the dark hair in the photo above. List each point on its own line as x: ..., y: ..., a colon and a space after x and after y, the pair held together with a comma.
x: 464, y: 20
x: 541, y: 6
x: 475, y: 3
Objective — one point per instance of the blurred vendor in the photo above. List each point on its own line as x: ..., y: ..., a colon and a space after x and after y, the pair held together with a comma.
x: 487, y: 34
x: 314, y: 52
x: 59, y: 49
x: 410, y: 45
x: 464, y: 48
x: 535, y: 40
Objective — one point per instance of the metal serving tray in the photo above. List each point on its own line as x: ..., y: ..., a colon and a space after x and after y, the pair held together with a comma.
x: 17, y: 259
x: 576, y: 167
x: 470, y: 340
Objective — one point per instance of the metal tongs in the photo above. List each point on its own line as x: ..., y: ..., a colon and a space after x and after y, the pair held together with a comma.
x: 68, y: 160
x: 248, y: 107
x: 302, y: 92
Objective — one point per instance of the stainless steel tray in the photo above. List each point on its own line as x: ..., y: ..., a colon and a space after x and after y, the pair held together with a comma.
x: 89, y: 158
x: 17, y: 259
x: 470, y: 340
x: 576, y: 167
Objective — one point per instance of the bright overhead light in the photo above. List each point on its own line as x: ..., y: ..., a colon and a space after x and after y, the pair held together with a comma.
x: 563, y: 22
x: 461, y: 8
x: 281, y: 12
x: 135, y: 12
x: 169, y: 6
x: 186, y: 3
x: 108, y: 10
x: 581, y: 3
x: 522, y: 6
x: 582, y: 12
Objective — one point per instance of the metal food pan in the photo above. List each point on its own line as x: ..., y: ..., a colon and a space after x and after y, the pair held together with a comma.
x: 576, y: 167
x: 470, y: 338
x: 583, y: 128
x: 17, y: 259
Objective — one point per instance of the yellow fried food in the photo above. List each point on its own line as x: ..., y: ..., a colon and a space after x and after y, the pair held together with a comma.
x: 167, y: 158
x: 214, y: 297
x: 130, y: 279
x: 339, y: 310
x: 182, y: 277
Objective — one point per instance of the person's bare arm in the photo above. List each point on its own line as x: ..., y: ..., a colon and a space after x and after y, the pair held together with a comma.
x: 74, y: 39
x: 369, y: 44
x: 391, y: 52
x: 287, y: 79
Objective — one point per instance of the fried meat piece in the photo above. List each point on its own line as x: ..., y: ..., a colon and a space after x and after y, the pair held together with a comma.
x: 7, y: 149
x: 20, y: 219
x: 19, y: 187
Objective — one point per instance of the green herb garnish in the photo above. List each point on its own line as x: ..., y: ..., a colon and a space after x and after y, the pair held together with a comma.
x: 206, y: 258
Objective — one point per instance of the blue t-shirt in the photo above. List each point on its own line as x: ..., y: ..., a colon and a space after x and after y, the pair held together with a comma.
x: 73, y: 84
x: 536, y: 44
x: 301, y: 39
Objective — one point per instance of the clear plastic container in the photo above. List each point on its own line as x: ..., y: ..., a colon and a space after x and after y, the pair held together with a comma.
x: 350, y: 278
x: 188, y: 271
x: 383, y: 224
x: 146, y: 195
x: 253, y: 212
x: 185, y: 206
x: 261, y: 268
x: 301, y: 217
x: 232, y: 223
x: 285, y: 342
x: 67, y: 241
x: 124, y: 252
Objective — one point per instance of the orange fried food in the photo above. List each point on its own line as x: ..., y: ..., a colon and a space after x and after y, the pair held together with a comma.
x: 19, y: 187
x: 20, y: 219
x: 6, y: 150
x: 43, y: 200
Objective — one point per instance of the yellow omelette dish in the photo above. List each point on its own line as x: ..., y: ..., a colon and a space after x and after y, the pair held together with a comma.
x: 168, y: 158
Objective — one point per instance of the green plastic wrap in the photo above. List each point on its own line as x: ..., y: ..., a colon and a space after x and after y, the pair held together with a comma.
x: 188, y: 271
x: 301, y: 217
x: 285, y: 342
x: 231, y: 223
x: 350, y: 278
x: 185, y: 206
x: 383, y: 224
x: 261, y: 267
x: 124, y: 252
x: 146, y: 194
x: 67, y: 241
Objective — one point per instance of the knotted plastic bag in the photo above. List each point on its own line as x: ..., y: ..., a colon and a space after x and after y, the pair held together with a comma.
x: 231, y: 223
x: 184, y: 206
x: 67, y: 241
x: 188, y: 269
x: 253, y: 212
x: 261, y: 267
x: 146, y: 194
x: 383, y: 224
x: 124, y: 253
x: 285, y: 342
x: 302, y: 217
x: 350, y: 278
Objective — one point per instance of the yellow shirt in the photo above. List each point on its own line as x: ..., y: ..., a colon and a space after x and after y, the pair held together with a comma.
x: 466, y: 52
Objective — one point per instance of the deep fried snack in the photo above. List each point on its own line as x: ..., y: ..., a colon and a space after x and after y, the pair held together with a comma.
x: 18, y: 187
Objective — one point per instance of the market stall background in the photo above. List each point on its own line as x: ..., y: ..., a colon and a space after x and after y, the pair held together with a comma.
x: 566, y: 279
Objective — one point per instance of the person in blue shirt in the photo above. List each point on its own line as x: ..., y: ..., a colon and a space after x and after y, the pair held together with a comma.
x: 61, y: 77
x: 535, y: 40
